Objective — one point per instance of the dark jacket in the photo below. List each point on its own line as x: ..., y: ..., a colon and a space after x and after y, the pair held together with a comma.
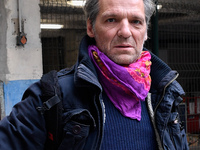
x: 83, y: 115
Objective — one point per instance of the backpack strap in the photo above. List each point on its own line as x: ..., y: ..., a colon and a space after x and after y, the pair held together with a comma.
x: 51, y: 109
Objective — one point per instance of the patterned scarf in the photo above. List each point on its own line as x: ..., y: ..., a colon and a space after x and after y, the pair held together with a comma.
x: 125, y: 86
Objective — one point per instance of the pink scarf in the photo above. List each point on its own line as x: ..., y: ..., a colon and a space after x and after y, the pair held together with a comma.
x: 125, y: 86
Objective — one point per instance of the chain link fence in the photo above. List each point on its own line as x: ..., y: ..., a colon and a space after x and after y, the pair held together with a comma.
x: 179, y: 47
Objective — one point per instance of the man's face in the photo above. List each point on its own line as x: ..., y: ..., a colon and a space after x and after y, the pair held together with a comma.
x: 120, y: 29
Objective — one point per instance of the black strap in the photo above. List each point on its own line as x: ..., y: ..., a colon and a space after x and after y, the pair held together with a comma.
x: 49, y: 104
x: 51, y: 109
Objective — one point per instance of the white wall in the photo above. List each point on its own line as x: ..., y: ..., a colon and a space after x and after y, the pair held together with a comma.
x: 20, y: 66
x: 22, y: 62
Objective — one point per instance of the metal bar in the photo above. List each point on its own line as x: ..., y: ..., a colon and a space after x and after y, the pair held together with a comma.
x: 19, y: 16
x: 154, y: 22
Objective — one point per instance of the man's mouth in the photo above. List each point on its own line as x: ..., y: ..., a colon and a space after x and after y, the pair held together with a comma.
x: 124, y: 46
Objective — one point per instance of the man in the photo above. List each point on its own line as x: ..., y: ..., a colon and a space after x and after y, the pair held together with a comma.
x: 118, y: 96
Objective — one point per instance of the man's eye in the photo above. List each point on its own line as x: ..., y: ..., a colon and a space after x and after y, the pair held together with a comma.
x: 111, y: 20
x: 137, y: 22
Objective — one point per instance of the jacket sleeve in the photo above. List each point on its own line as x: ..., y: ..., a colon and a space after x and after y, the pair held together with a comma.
x: 24, y: 128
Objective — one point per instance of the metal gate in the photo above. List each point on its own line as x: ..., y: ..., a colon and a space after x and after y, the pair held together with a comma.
x: 63, y: 25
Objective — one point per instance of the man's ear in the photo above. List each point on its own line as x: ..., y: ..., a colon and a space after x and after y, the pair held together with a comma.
x: 90, y: 31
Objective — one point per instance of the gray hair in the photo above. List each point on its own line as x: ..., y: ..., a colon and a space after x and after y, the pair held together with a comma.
x: 91, y: 9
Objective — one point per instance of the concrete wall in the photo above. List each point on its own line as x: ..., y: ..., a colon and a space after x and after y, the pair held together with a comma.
x: 20, y: 66
x: 3, y: 52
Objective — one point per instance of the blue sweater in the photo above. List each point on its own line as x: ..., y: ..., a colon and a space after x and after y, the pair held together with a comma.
x: 121, y: 133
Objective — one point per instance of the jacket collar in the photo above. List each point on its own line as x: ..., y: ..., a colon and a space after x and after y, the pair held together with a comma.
x: 161, y: 74
x: 85, y: 72
x: 83, y: 57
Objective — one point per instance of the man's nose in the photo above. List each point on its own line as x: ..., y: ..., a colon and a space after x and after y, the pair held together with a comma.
x: 124, y: 29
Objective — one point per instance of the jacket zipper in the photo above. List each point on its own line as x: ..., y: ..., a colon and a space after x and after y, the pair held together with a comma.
x: 154, y: 112
x: 152, y: 116
x: 164, y: 92
x: 102, y: 123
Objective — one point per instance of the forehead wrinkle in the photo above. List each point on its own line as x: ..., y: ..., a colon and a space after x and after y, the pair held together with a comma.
x: 109, y: 13
x: 119, y: 13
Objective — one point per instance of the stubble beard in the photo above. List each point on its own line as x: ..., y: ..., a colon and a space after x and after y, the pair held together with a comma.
x: 116, y: 57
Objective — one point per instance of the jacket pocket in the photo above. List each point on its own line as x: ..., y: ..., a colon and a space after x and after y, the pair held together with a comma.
x: 174, y: 136
x: 77, y: 125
